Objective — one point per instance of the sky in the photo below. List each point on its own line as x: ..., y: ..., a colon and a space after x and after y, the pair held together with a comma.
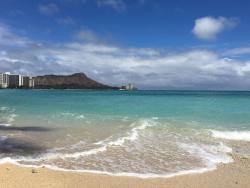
x: 153, y: 44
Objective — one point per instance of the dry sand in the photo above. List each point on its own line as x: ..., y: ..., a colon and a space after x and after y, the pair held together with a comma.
x: 233, y: 175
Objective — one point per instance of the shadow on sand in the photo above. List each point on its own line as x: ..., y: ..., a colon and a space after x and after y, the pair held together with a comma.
x: 11, y: 128
x: 16, y: 146
x: 12, y: 146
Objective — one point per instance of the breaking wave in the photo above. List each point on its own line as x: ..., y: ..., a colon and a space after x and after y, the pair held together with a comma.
x: 131, y: 136
x: 8, y: 116
x: 210, y: 154
x: 72, y: 115
x: 232, y: 135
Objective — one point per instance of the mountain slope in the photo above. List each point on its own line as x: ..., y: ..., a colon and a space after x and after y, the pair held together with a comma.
x: 74, y: 81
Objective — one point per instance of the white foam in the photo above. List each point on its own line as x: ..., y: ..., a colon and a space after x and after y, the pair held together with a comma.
x: 7, y: 118
x: 76, y: 154
x: 128, y: 174
x: 5, y: 124
x: 132, y: 136
x: 76, y: 116
x: 8, y: 160
x: 67, y: 114
x: 211, y: 155
x: 11, y: 118
x: 194, y: 150
x: 80, y: 117
x: 232, y: 135
x: 3, y: 108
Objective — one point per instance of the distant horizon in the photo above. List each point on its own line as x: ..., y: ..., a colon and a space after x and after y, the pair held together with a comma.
x: 140, y: 89
x: 150, y: 43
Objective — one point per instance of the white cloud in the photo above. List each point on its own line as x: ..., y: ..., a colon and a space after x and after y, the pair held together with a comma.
x: 66, y: 21
x: 238, y: 51
x: 207, y: 28
x: 87, y: 35
x: 117, y: 5
x: 9, y: 39
x: 48, y: 9
x: 145, y: 67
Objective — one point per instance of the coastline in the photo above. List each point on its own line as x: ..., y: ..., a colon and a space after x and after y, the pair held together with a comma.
x: 235, y: 174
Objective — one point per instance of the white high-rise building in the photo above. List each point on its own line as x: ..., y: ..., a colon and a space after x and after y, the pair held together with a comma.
x: 28, y: 82
x: 129, y: 87
x: 8, y: 80
x: 4, y: 80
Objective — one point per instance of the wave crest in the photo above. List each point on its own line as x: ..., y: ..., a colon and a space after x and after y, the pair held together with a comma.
x: 232, y: 135
x: 131, y: 136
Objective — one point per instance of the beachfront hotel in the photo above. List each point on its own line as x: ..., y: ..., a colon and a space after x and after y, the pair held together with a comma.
x: 28, y: 82
x: 8, y: 80
x: 128, y: 87
x: 4, y: 80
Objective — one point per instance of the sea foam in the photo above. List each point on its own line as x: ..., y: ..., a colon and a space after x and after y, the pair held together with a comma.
x: 8, y: 117
x: 5, y: 124
x: 131, y: 136
x: 232, y: 135
x: 211, y: 155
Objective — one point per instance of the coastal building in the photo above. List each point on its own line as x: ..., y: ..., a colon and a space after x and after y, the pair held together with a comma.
x: 15, y: 81
x: 32, y: 82
x: 28, y: 82
x: 123, y: 87
x: 4, y: 80
x: 128, y: 87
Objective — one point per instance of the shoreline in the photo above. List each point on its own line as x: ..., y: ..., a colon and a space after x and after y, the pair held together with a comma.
x: 122, y: 174
x: 235, y: 174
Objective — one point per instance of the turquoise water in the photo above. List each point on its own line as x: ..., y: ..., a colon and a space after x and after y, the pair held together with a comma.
x: 228, y: 108
x: 147, y: 133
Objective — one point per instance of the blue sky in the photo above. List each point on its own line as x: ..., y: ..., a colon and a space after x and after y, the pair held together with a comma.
x: 155, y: 44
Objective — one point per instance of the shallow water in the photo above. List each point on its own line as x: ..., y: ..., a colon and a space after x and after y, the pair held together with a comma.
x: 143, y: 133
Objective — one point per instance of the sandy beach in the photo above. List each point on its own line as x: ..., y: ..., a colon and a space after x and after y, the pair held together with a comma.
x: 231, y: 175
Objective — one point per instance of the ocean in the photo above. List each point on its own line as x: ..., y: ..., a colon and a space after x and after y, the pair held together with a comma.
x: 134, y: 133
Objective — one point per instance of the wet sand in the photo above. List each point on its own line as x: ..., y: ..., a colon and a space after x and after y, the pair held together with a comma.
x: 233, y: 175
